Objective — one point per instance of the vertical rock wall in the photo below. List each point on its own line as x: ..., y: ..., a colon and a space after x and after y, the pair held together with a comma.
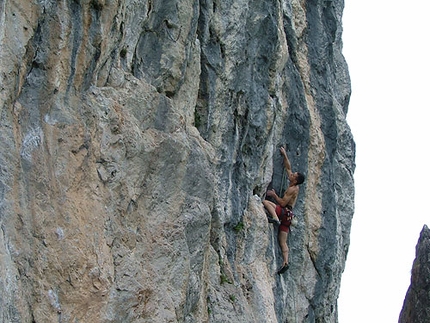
x: 137, y: 140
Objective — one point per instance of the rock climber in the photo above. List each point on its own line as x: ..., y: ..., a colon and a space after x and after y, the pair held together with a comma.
x: 281, y: 212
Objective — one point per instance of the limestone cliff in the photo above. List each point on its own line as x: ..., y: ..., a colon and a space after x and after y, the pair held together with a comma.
x: 416, y: 307
x: 138, y: 138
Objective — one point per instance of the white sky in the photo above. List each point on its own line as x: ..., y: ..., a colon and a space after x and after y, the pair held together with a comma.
x: 386, y: 45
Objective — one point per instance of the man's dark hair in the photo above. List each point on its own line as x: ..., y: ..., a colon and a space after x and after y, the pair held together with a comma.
x: 300, y: 178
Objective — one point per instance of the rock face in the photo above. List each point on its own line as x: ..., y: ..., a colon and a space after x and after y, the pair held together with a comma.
x: 137, y: 141
x: 416, y: 305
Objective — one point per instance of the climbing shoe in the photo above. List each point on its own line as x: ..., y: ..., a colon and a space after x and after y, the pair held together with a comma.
x: 272, y: 220
x: 283, y: 269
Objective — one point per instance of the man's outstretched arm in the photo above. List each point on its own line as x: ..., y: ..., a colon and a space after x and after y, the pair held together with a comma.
x: 287, y: 163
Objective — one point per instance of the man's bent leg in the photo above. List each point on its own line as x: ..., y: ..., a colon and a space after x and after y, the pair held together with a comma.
x: 271, y: 207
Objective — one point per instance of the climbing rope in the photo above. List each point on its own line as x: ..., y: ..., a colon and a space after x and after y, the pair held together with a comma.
x: 294, y: 305
x: 281, y: 190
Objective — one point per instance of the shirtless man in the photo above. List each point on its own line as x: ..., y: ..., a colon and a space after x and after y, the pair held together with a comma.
x: 283, y: 208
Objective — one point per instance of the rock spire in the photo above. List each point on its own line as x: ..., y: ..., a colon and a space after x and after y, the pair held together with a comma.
x: 416, y: 305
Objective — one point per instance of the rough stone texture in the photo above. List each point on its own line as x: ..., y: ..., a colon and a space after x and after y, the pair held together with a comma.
x: 137, y: 140
x: 416, y: 307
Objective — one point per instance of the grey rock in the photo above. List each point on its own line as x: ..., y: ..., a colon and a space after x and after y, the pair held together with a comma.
x: 416, y: 304
x: 137, y: 141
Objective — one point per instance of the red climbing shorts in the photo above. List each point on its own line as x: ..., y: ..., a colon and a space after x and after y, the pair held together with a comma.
x: 285, y: 215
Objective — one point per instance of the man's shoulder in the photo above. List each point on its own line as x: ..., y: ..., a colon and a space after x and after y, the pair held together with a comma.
x: 292, y: 189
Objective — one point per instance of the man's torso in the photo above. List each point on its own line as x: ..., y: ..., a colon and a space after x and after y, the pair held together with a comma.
x: 290, y: 196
